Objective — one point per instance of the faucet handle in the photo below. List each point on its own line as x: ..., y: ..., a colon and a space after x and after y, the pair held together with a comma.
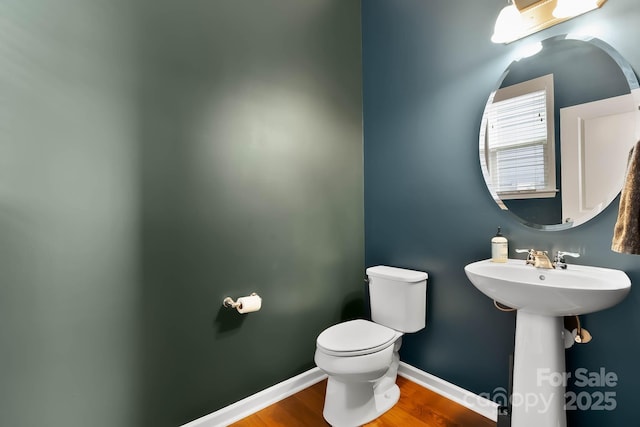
x: 559, y: 261
x: 530, y: 253
x: 525, y: 251
x: 562, y: 254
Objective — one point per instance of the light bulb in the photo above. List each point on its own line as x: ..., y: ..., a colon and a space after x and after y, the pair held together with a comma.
x: 508, y: 25
x: 571, y: 8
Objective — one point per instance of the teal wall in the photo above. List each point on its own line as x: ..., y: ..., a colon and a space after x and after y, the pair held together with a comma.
x: 428, y: 69
x: 155, y: 157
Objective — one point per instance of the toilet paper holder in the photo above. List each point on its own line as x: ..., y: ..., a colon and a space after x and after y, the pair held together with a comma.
x: 230, y: 303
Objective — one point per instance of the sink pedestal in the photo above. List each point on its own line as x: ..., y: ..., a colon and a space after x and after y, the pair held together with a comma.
x: 538, y: 372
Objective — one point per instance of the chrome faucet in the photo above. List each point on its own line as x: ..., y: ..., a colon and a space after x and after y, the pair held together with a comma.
x: 559, y: 261
x: 539, y: 259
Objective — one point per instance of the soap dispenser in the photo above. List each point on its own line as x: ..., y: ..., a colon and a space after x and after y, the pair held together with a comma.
x: 499, y: 247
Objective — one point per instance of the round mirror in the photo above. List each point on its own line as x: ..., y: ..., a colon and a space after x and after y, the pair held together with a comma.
x: 557, y: 130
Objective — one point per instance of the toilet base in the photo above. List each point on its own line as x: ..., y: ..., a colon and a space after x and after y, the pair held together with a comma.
x: 355, y: 404
x: 352, y: 404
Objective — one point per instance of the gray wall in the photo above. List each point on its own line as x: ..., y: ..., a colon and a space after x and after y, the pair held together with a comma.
x: 155, y: 158
x: 428, y: 70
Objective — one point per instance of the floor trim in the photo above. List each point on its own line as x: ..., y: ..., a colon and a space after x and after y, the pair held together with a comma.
x: 273, y: 394
x: 245, y: 407
x: 478, y: 404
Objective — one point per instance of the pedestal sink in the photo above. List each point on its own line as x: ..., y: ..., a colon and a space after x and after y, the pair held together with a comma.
x: 542, y: 297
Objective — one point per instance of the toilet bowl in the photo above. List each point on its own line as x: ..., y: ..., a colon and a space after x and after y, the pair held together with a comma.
x: 361, y: 357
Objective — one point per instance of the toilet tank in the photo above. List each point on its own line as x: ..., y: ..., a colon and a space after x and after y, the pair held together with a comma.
x: 398, y: 297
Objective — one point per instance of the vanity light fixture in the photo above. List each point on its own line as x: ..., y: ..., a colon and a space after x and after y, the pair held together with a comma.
x: 521, y: 18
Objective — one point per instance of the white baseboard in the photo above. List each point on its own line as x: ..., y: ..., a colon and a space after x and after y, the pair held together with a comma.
x: 245, y: 407
x: 273, y: 394
x: 478, y: 404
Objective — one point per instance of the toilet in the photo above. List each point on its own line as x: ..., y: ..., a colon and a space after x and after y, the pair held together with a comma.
x: 361, y: 357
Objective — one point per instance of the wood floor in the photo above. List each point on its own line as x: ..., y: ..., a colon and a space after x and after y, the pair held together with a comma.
x: 418, y: 407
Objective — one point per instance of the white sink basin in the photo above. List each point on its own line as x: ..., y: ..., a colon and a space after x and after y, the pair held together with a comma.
x: 577, y: 290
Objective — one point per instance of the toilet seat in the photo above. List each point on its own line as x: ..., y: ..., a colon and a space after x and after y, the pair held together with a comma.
x: 355, y: 338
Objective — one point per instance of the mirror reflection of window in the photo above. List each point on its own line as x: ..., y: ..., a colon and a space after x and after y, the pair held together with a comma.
x: 590, y: 143
x: 520, y: 145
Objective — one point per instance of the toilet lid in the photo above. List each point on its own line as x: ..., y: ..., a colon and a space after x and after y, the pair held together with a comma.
x: 356, y: 336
